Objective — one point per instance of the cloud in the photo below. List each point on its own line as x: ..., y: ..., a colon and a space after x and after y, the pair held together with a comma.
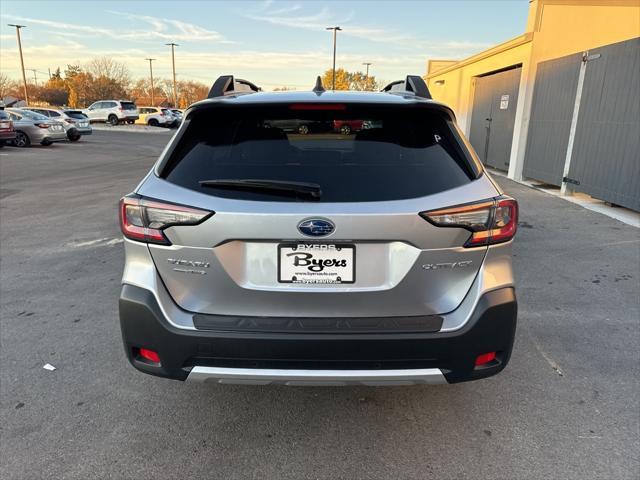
x: 319, y: 21
x: 152, y: 28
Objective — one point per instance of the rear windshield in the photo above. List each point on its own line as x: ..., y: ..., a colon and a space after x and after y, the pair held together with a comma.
x: 3, y: 115
x: 76, y: 114
x: 32, y: 115
x: 353, y: 154
x: 128, y: 105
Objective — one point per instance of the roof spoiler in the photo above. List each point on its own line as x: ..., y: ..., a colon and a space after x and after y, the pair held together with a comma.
x: 413, y: 84
x: 228, y: 85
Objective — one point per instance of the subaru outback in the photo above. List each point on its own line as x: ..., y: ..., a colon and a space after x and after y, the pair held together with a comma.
x: 257, y: 254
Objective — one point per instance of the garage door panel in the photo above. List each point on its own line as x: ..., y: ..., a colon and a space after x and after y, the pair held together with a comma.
x: 605, y: 158
x: 552, y: 107
x: 493, y: 117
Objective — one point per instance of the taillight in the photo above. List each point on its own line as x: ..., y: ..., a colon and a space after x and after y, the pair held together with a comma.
x: 144, y: 220
x: 42, y: 125
x: 491, y: 222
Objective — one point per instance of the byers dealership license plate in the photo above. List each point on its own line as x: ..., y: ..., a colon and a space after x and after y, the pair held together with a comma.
x: 314, y: 263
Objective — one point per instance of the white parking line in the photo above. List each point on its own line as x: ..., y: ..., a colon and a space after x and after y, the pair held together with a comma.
x: 99, y: 242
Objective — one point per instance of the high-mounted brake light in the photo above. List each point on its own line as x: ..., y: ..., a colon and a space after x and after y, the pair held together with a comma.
x: 317, y: 106
x: 144, y: 220
x: 491, y: 222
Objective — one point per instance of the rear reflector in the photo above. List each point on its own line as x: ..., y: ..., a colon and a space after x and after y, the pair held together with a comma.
x: 143, y: 220
x: 490, y: 221
x: 485, y: 358
x: 149, y: 355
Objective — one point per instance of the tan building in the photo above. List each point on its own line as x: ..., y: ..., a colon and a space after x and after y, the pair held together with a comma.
x: 532, y: 105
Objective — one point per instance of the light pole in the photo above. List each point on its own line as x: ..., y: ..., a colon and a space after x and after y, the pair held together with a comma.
x: 366, y: 76
x: 335, y: 31
x: 153, y: 99
x: 35, y: 76
x: 173, y: 63
x: 367, y: 65
x: 24, y: 77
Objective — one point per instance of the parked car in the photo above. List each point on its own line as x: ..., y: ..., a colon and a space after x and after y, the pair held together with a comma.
x: 174, y: 118
x: 154, y: 117
x: 253, y: 255
x: 178, y: 113
x: 112, y: 112
x: 7, y: 132
x: 33, y: 128
x: 75, y: 123
x: 347, y: 126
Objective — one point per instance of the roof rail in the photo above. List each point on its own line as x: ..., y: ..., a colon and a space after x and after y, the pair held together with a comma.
x: 228, y: 85
x: 413, y: 83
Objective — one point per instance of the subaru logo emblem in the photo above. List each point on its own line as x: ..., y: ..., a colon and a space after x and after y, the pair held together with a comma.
x: 316, y: 227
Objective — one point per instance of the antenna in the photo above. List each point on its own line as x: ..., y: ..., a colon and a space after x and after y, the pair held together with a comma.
x: 319, y: 88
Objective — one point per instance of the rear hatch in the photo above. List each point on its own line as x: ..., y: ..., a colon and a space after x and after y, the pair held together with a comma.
x: 310, y: 222
x: 129, y: 109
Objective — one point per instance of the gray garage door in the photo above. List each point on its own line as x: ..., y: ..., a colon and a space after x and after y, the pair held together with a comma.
x: 606, y: 151
x: 493, y: 116
x: 554, y: 97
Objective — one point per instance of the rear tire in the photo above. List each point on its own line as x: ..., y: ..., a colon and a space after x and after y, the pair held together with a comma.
x: 1, y: 143
x: 22, y: 140
x: 74, y: 138
x: 113, y: 120
x: 131, y: 122
x: 153, y: 122
x: 345, y: 129
x: 303, y: 129
x: 46, y: 143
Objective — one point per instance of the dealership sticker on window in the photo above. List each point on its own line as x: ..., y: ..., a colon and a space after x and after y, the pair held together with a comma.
x: 504, y: 102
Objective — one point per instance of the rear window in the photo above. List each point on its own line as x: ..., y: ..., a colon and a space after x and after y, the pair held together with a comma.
x: 354, y: 153
x: 3, y: 115
x: 128, y: 105
x: 33, y: 115
x: 76, y: 114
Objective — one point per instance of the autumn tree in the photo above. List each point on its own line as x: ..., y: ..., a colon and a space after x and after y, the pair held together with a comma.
x: 110, y: 78
x: 53, y: 92
x: 349, y: 80
x: 190, y: 92
x: 9, y: 87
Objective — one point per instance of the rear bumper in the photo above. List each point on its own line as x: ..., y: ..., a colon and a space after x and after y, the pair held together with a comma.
x: 318, y: 358
x: 6, y: 136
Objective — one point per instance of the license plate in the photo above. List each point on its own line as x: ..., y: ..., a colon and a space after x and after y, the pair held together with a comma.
x: 84, y: 124
x: 316, y: 263
x: 4, y: 125
x: 56, y: 127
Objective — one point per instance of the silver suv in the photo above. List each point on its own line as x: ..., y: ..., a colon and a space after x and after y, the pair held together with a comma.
x: 259, y: 255
x: 112, y: 112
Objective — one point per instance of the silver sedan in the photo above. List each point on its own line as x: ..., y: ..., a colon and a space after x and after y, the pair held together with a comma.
x: 33, y: 128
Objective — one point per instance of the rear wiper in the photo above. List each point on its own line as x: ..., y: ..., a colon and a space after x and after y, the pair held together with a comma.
x: 306, y: 188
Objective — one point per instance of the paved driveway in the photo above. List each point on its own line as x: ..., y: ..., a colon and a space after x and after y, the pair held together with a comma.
x: 566, y: 407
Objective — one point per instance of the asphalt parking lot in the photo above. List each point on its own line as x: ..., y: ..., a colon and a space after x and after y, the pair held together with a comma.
x: 566, y: 407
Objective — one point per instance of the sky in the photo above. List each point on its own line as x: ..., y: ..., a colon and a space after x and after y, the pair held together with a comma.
x: 272, y: 43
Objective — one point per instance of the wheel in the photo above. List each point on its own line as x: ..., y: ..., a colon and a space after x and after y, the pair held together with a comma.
x: 1, y: 143
x: 74, y: 138
x: 131, y: 122
x: 153, y: 122
x: 345, y: 129
x: 113, y: 120
x: 303, y: 129
x: 22, y: 140
x: 46, y: 143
